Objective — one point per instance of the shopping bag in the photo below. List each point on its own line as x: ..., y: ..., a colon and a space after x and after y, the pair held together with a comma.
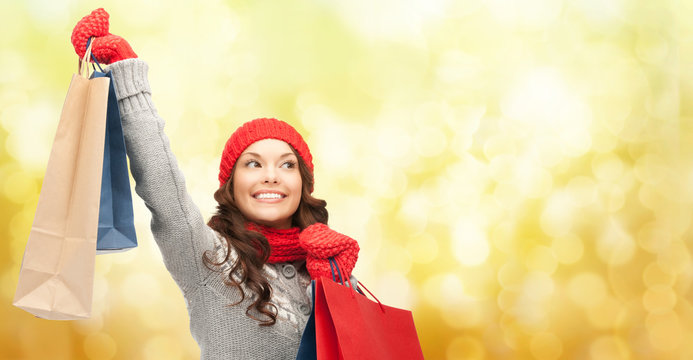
x: 116, y: 217
x: 349, y: 326
x: 56, y: 278
x: 306, y: 349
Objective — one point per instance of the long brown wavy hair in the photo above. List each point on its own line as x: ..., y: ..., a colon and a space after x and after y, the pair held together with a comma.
x: 230, y: 223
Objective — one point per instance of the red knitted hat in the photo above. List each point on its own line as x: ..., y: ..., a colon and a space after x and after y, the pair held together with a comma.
x: 259, y: 129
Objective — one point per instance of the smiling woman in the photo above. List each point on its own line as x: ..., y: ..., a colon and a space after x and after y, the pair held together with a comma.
x: 267, y: 185
x: 245, y: 273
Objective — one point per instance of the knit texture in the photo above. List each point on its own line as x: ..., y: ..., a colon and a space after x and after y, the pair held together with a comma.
x: 95, y: 24
x: 315, y: 244
x: 111, y: 48
x: 259, y: 129
x: 283, y: 243
x: 322, y: 243
x: 106, y: 47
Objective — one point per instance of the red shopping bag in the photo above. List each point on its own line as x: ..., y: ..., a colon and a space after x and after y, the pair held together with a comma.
x: 350, y: 326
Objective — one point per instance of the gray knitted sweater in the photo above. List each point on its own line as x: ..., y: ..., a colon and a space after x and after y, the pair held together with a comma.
x: 221, y: 331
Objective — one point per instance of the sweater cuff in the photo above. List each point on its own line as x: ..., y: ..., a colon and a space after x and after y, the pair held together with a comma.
x: 131, y: 84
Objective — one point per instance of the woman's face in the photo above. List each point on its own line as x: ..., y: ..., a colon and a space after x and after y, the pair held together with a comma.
x: 267, y: 183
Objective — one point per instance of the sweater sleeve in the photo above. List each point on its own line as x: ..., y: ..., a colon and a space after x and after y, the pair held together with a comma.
x: 177, y: 224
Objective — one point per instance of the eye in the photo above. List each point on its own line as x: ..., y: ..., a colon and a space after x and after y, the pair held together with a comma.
x: 247, y: 163
x: 291, y: 164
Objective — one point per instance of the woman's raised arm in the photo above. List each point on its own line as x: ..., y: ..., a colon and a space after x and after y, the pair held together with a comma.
x: 177, y: 224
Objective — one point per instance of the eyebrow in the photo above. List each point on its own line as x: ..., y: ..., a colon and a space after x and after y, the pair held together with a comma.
x: 260, y: 156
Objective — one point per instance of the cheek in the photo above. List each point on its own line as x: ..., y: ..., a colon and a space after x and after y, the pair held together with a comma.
x: 236, y: 195
x: 296, y: 185
x: 240, y: 190
x: 241, y: 182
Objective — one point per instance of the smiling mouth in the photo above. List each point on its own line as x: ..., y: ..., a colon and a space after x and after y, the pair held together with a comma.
x: 269, y: 196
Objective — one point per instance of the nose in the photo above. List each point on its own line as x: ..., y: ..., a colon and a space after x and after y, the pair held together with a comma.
x: 271, y: 176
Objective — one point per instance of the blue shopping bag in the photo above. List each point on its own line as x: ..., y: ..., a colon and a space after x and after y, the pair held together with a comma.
x: 116, y: 217
x: 307, y: 350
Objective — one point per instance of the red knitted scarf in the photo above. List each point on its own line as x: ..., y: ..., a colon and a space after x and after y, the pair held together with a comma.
x: 283, y: 243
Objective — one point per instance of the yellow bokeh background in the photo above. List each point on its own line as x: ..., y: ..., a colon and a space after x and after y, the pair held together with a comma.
x: 518, y: 173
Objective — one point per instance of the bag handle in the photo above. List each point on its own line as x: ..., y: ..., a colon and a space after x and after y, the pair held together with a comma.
x: 83, y: 60
x: 376, y: 299
x: 334, y: 264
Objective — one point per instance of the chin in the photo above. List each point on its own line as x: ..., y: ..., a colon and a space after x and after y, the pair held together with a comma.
x: 272, y: 221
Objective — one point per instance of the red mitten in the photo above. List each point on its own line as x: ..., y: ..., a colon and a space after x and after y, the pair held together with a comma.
x: 107, y: 48
x: 322, y: 243
x: 94, y: 24
x: 111, y: 48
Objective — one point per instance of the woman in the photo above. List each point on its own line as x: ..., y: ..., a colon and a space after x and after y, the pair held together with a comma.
x: 245, y: 273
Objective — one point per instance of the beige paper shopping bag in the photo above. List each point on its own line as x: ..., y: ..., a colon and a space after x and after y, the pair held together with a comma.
x: 56, y: 279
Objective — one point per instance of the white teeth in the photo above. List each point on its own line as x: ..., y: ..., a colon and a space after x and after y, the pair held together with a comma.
x: 268, y: 196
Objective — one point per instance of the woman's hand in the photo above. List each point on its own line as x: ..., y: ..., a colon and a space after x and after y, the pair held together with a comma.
x: 106, y: 47
x: 322, y: 243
